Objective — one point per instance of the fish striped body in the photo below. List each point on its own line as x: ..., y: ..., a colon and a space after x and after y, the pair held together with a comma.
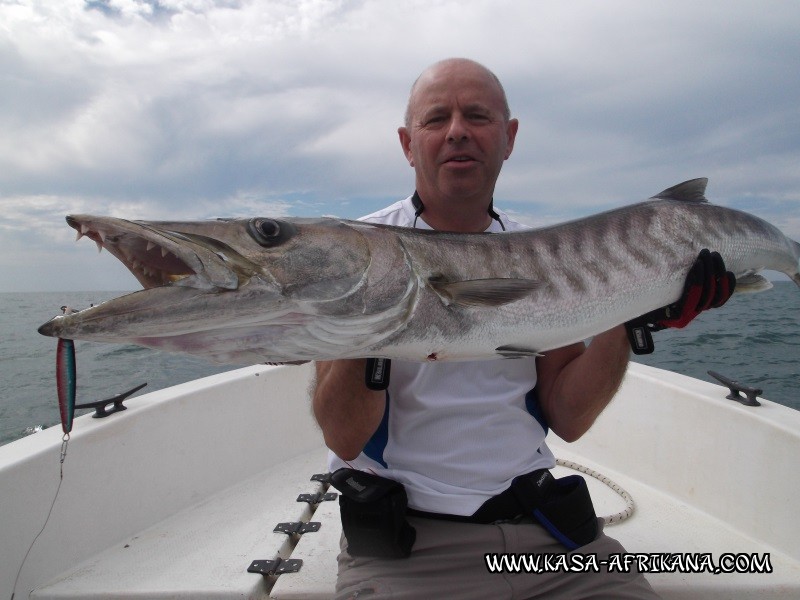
x: 264, y: 290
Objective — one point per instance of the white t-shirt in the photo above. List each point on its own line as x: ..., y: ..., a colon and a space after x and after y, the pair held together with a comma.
x: 455, y: 434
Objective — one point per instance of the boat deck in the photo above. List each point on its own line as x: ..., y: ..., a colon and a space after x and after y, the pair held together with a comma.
x: 177, y: 496
x: 662, y: 524
x: 204, y: 551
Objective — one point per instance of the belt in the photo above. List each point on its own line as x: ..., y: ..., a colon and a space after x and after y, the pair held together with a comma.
x: 562, y: 506
x: 506, y: 506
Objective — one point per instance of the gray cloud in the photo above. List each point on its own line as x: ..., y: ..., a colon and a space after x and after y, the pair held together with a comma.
x: 196, y: 108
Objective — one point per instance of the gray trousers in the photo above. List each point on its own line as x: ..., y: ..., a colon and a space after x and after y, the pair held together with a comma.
x: 448, y: 561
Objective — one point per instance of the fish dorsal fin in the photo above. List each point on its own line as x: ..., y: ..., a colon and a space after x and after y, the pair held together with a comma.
x: 688, y: 191
x: 483, y: 292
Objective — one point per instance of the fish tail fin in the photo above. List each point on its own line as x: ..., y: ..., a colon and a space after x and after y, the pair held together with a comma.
x: 796, y: 275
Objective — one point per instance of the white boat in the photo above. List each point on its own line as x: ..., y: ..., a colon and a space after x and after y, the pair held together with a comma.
x: 178, y: 495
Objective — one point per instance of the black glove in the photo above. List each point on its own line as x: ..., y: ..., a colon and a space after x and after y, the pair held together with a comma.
x: 708, y: 285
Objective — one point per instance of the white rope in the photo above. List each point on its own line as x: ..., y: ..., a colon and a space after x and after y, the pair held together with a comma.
x: 630, y: 505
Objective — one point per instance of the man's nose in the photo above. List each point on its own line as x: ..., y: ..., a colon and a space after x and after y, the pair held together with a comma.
x: 458, y: 130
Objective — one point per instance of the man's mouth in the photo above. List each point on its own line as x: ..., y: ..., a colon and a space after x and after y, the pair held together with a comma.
x: 460, y: 159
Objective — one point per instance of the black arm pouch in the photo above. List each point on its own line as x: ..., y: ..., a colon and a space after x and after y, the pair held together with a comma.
x: 373, y: 514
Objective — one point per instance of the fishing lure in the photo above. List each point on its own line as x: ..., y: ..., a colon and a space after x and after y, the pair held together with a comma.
x: 66, y: 382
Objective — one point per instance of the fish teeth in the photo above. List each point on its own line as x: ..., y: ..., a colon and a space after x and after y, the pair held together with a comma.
x: 150, y: 246
x: 84, y: 229
x: 164, y: 252
x: 99, y: 246
x: 102, y: 235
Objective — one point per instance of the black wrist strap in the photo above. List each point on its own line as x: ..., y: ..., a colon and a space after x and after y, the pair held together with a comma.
x: 640, y: 338
x: 376, y: 376
x: 640, y: 330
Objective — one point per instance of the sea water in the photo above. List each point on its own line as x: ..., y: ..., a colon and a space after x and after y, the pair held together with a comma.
x: 755, y: 339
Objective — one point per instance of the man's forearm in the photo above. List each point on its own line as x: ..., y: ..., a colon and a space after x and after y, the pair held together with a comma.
x: 586, y: 384
x: 346, y: 410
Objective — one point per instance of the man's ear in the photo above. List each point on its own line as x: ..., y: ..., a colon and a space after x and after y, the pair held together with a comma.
x: 511, y: 132
x: 405, y: 142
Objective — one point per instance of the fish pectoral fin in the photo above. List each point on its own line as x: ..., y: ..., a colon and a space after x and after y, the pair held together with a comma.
x: 750, y: 283
x: 516, y: 352
x: 483, y: 292
x: 287, y: 362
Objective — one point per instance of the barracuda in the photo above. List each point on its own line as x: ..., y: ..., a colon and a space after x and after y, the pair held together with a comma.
x: 292, y: 290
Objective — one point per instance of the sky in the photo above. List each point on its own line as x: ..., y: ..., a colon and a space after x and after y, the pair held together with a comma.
x: 193, y: 109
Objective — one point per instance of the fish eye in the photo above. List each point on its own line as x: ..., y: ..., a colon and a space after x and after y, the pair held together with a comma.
x: 269, y: 228
x: 269, y: 232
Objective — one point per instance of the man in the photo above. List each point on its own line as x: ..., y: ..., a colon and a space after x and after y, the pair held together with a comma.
x: 458, y: 434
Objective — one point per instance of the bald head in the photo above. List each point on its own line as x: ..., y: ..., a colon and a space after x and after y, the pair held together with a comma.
x: 452, y: 68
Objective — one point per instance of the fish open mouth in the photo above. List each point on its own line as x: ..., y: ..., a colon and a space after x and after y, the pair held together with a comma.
x: 155, y: 255
x: 148, y: 259
x: 173, y: 261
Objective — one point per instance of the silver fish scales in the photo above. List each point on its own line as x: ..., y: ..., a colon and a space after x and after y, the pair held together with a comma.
x: 292, y: 290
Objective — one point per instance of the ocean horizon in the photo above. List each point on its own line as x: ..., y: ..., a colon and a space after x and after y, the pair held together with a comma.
x: 754, y: 338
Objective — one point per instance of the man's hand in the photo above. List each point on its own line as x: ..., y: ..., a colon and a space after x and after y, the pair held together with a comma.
x: 708, y: 285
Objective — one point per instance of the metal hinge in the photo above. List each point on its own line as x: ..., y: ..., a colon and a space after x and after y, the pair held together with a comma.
x: 297, y: 527
x: 317, y: 498
x: 279, y: 566
x: 321, y: 477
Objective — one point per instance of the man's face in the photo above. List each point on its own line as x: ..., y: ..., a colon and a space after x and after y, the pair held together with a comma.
x: 458, y: 135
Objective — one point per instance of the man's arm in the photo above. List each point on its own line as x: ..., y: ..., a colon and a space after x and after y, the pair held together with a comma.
x: 576, y: 383
x: 345, y: 409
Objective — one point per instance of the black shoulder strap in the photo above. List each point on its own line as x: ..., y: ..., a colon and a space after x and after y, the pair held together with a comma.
x: 419, y: 207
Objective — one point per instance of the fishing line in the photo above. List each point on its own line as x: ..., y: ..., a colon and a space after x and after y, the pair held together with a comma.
x: 66, y: 390
x: 64, y: 443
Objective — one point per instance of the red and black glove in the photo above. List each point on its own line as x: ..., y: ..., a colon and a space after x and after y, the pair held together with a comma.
x: 708, y: 285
